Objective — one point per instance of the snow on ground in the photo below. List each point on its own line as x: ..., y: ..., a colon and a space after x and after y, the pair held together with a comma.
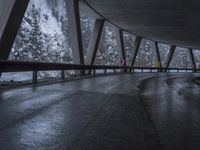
x: 21, y: 76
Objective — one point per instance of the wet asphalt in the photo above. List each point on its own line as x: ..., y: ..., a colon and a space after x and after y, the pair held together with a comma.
x: 146, y: 111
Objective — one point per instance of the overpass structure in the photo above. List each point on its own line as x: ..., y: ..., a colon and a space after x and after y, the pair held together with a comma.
x: 124, y: 111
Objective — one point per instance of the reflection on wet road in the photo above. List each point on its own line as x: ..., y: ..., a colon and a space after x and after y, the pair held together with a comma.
x: 128, y: 111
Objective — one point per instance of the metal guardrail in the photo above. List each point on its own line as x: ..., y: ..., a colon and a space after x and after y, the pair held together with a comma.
x: 20, y: 66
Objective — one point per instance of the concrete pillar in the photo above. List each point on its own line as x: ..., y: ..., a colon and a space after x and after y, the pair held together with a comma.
x: 34, y: 78
x: 135, y: 51
x: 62, y: 74
x: 11, y: 16
x: 94, y: 41
x: 192, y: 59
x: 75, y: 31
x: 120, y: 43
x: 169, y: 56
x: 158, y: 55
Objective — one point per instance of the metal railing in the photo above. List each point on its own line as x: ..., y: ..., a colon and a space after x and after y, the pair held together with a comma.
x: 21, y: 66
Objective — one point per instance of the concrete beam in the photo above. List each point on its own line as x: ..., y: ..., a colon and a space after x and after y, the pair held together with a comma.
x: 120, y: 43
x: 75, y: 31
x: 169, y: 56
x: 135, y: 51
x: 11, y: 16
x: 192, y: 59
x: 94, y: 41
x: 158, y: 55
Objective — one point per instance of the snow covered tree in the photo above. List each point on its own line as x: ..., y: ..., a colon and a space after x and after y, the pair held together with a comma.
x: 36, y: 37
x: 29, y: 44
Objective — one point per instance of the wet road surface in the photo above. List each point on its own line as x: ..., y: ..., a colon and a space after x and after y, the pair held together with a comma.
x: 118, y: 112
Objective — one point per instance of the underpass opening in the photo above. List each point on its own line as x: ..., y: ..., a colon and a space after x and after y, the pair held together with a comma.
x: 87, y: 26
x: 196, y: 53
x: 181, y: 59
x: 43, y: 37
x: 164, y: 50
x: 129, y: 40
x: 147, y: 55
x: 108, y: 53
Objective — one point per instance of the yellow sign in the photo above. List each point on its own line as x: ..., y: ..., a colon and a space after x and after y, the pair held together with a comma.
x: 158, y: 64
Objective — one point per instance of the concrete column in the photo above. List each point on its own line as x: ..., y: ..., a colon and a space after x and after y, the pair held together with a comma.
x: 11, y: 16
x: 94, y: 41
x: 192, y: 59
x: 120, y: 43
x: 34, y: 78
x: 135, y: 51
x: 75, y: 31
x: 169, y: 56
x: 158, y: 55
x: 62, y: 74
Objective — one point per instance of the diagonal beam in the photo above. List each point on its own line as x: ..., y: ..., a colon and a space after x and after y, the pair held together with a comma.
x: 158, y: 55
x: 75, y: 31
x: 192, y: 59
x: 135, y: 51
x: 169, y: 56
x: 11, y: 16
x: 94, y: 42
x: 120, y: 43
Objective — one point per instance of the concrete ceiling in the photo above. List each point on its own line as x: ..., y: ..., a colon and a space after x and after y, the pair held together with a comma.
x: 169, y: 21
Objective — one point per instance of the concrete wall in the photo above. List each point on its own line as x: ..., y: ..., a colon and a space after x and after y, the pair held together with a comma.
x: 5, y: 9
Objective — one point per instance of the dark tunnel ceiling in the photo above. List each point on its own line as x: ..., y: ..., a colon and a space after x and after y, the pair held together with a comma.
x: 169, y: 21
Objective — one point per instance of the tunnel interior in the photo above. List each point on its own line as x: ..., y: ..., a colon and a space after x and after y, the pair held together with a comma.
x: 99, y: 75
